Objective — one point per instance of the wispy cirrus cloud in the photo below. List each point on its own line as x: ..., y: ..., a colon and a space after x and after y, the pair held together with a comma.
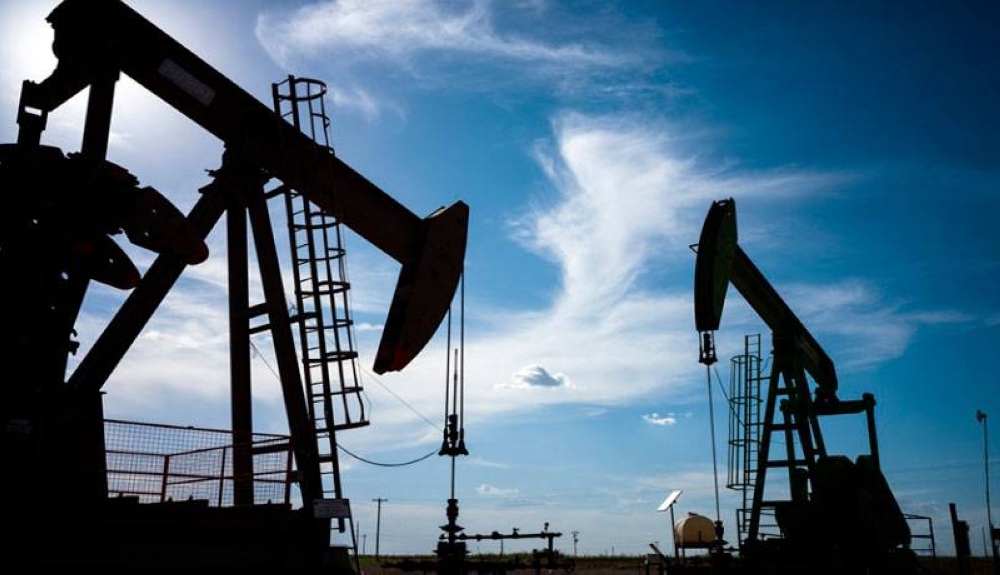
x: 854, y: 317
x: 476, y: 45
x: 358, y: 98
x: 400, y: 29
x: 626, y: 203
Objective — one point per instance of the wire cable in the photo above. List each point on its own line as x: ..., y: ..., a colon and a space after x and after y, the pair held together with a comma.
x: 401, y: 400
x: 264, y: 359
x: 370, y: 462
x: 715, y: 465
x: 461, y: 347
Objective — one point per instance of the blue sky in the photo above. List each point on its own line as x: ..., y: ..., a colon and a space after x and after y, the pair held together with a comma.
x: 860, y: 141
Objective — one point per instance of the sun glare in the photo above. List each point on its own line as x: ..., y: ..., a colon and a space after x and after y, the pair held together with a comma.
x: 139, y: 117
x: 27, y: 41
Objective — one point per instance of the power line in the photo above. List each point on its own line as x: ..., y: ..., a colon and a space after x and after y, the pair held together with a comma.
x: 403, y: 401
x: 370, y: 374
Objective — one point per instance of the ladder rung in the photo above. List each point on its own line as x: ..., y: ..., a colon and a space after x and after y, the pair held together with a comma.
x: 786, y: 463
x: 303, y: 316
x: 313, y: 226
x: 338, y: 391
x: 336, y: 285
x: 341, y: 355
x: 351, y: 425
x: 259, y: 328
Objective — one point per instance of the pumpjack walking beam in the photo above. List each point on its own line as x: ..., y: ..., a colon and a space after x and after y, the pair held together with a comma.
x: 95, y: 38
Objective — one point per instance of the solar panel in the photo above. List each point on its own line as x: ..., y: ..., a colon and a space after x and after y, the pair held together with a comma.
x: 670, y: 500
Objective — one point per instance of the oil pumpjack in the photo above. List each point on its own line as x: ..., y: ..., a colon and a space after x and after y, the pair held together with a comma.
x: 835, y: 515
x: 56, y: 236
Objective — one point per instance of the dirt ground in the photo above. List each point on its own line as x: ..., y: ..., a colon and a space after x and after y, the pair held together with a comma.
x: 618, y: 565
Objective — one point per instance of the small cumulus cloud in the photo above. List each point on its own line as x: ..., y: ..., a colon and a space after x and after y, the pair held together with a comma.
x: 488, y: 490
x: 531, y: 376
x: 655, y: 419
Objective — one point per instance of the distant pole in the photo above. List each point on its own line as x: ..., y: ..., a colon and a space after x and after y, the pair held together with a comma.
x: 575, y: 533
x: 962, y: 547
x: 364, y: 543
x: 378, y: 523
x: 981, y: 418
x: 673, y: 535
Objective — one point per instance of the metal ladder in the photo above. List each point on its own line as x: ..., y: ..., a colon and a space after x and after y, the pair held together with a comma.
x: 745, y: 426
x: 788, y: 393
x: 322, y: 308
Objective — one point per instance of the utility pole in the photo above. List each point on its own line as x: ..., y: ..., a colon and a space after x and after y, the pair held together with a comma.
x: 981, y: 418
x: 364, y: 543
x: 357, y: 535
x: 575, y: 533
x: 378, y: 523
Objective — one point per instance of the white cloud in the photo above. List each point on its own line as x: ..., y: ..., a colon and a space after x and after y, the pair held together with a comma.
x: 655, y: 419
x: 475, y: 45
x: 401, y: 29
x: 627, y: 204
x: 852, y: 315
x: 494, y: 491
x: 358, y: 98
x: 482, y: 462
x: 536, y: 376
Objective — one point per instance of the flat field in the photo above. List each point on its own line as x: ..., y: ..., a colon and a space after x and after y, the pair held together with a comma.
x: 607, y: 565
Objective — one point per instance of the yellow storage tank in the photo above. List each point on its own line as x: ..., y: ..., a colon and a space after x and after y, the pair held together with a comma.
x: 694, y: 532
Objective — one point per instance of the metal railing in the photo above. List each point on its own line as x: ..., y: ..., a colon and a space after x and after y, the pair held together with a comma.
x: 922, y: 535
x: 157, y: 463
